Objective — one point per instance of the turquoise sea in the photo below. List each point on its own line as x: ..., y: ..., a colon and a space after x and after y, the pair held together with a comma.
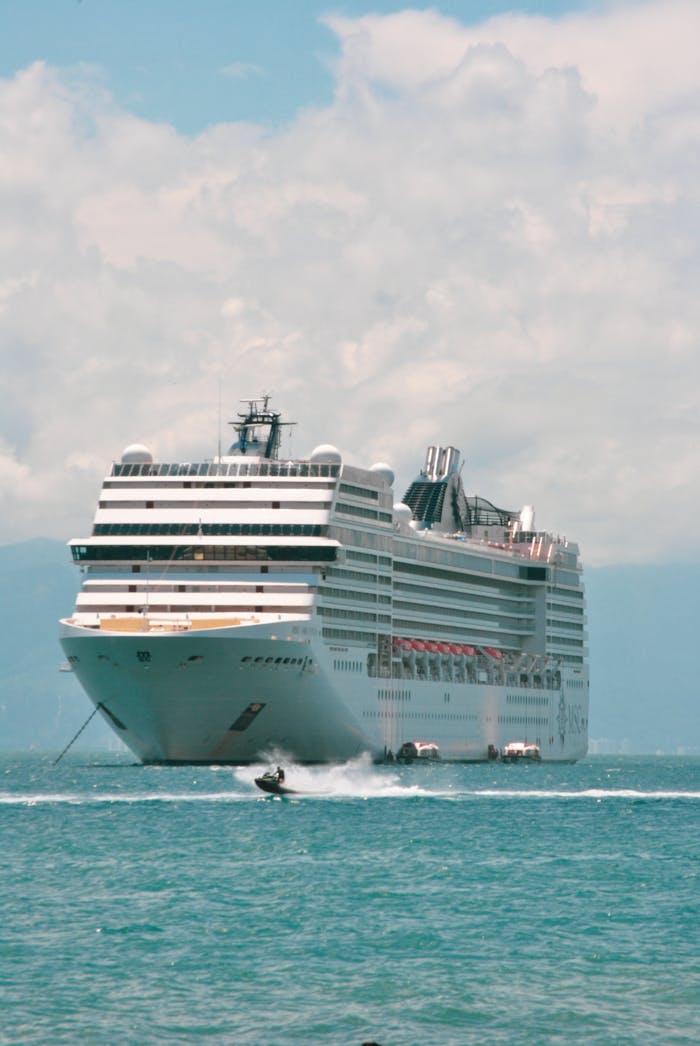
x: 418, y: 905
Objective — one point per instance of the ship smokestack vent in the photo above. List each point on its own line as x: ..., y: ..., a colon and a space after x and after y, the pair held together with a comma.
x: 527, y: 518
x: 441, y: 462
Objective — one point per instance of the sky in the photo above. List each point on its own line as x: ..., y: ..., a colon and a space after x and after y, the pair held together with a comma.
x: 474, y: 223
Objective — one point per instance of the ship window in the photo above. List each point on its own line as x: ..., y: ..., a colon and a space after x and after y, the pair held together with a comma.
x: 358, y: 492
x: 533, y: 573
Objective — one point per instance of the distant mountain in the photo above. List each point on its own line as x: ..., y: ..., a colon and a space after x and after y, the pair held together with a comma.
x: 40, y: 707
x: 642, y: 626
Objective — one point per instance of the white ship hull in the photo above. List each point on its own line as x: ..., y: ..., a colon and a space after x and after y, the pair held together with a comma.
x: 250, y: 605
x: 237, y: 695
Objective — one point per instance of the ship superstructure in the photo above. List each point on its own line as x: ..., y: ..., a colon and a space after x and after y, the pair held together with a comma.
x: 251, y: 604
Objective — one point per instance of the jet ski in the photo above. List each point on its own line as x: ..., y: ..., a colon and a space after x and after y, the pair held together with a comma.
x: 273, y: 783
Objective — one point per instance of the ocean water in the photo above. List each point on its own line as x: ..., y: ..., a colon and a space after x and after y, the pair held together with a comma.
x: 417, y: 905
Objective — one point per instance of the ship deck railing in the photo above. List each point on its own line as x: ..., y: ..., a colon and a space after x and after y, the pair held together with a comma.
x: 161, y: 623
x: 304, y: 469
x: 545, y: 549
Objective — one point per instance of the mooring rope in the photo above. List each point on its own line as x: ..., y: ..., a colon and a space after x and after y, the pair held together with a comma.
x: 75, y: 738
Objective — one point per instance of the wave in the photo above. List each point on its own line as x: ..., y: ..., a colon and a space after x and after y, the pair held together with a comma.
x: 358, y: 778
x: 584, y: 793
x: 98, y: 798
x: 320, y: 787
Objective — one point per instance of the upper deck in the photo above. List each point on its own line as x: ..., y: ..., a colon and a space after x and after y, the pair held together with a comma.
x: 226, y: 469
x: 249, y: 538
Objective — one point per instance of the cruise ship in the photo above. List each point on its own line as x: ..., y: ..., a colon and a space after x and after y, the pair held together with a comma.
x: 250, y: 605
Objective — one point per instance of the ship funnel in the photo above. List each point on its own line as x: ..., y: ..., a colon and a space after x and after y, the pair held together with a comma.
x: 441, y: 462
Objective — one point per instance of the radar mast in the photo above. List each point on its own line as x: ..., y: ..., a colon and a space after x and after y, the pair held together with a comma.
x: 259, y: 429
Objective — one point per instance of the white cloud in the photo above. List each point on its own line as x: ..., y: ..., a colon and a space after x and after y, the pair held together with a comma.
x: 242, y: 70
x: 634, y: 56
x: 490, y: 238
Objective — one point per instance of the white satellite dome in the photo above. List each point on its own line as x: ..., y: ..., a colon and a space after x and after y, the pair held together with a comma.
x: 385, y: 471
x: 402, y: 513
x: 326, y: 453
x: 136, y: 454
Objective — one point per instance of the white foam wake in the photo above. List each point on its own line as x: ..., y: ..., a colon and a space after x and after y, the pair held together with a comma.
x: 584, y: 793
x: 358, y: 778
x: 95, y: 798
